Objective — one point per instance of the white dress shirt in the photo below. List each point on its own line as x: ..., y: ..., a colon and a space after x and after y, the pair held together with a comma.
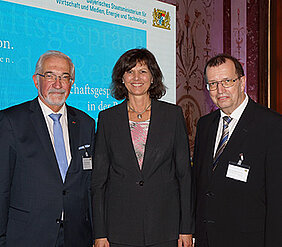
x: 235, y: 115
x: 64, y: 123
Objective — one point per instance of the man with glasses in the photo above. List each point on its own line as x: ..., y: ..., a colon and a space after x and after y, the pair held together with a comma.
x: 46, y: 150
x: 237, y: 164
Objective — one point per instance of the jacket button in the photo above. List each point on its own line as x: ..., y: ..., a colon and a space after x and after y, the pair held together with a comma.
x: 141, y: 183
x: 58, y: 221
x: 64, y: 192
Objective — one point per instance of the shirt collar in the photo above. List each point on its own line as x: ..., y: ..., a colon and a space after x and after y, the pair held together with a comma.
x: 47, y: 111
x: 236, y: 114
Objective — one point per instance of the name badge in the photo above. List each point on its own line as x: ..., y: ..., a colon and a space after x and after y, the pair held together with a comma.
x: 87, y: 163
x: 86, y: 159
x: 238, y: 171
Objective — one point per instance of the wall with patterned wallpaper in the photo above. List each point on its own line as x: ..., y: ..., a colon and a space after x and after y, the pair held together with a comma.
x: 206, y: 28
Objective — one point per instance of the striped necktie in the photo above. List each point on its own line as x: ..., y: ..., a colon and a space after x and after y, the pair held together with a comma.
x: 59, y: 145
x: 223, y: 139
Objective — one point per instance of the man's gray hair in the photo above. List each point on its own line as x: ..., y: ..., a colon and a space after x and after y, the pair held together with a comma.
x: 52, y: 53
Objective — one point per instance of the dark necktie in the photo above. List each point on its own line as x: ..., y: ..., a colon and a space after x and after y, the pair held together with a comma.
x: 223, y: 139
x: 59, y: 145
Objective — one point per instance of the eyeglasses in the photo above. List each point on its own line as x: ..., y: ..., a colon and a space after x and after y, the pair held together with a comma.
x: 212, y: 85
x: 51, y: 77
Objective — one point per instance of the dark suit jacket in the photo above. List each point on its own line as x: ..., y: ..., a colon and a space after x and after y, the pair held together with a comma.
x: 32, y: 194
x: 234, y: 213
x: 152, y: 205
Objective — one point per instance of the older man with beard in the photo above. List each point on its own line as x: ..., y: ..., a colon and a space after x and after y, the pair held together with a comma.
x: 46, y: 149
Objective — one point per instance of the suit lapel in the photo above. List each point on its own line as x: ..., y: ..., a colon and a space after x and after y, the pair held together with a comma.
x: 240, y: 132
x: 41, y: 129
x: 122, y: 122
x: 73, y: 127
x: 211, y: 140
x: 152, y: 139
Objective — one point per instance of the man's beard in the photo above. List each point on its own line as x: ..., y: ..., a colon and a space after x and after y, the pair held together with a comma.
x: 49, y: 99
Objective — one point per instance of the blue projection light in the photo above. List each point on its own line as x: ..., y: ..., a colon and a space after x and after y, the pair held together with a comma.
x: 94, y: 46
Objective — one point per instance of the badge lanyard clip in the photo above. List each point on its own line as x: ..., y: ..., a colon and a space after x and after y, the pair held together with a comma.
x: 241, y: 158
x: 84, y: 147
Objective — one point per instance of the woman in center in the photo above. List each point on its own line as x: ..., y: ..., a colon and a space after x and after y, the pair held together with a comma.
x: 141, y: 180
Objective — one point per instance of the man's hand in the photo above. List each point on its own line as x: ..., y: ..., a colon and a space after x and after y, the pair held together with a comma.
x: 185, y: 240
x: 101, y: 242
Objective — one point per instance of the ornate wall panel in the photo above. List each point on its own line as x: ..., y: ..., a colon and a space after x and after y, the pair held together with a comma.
x: 199, y: 36
x: 253, y: 48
